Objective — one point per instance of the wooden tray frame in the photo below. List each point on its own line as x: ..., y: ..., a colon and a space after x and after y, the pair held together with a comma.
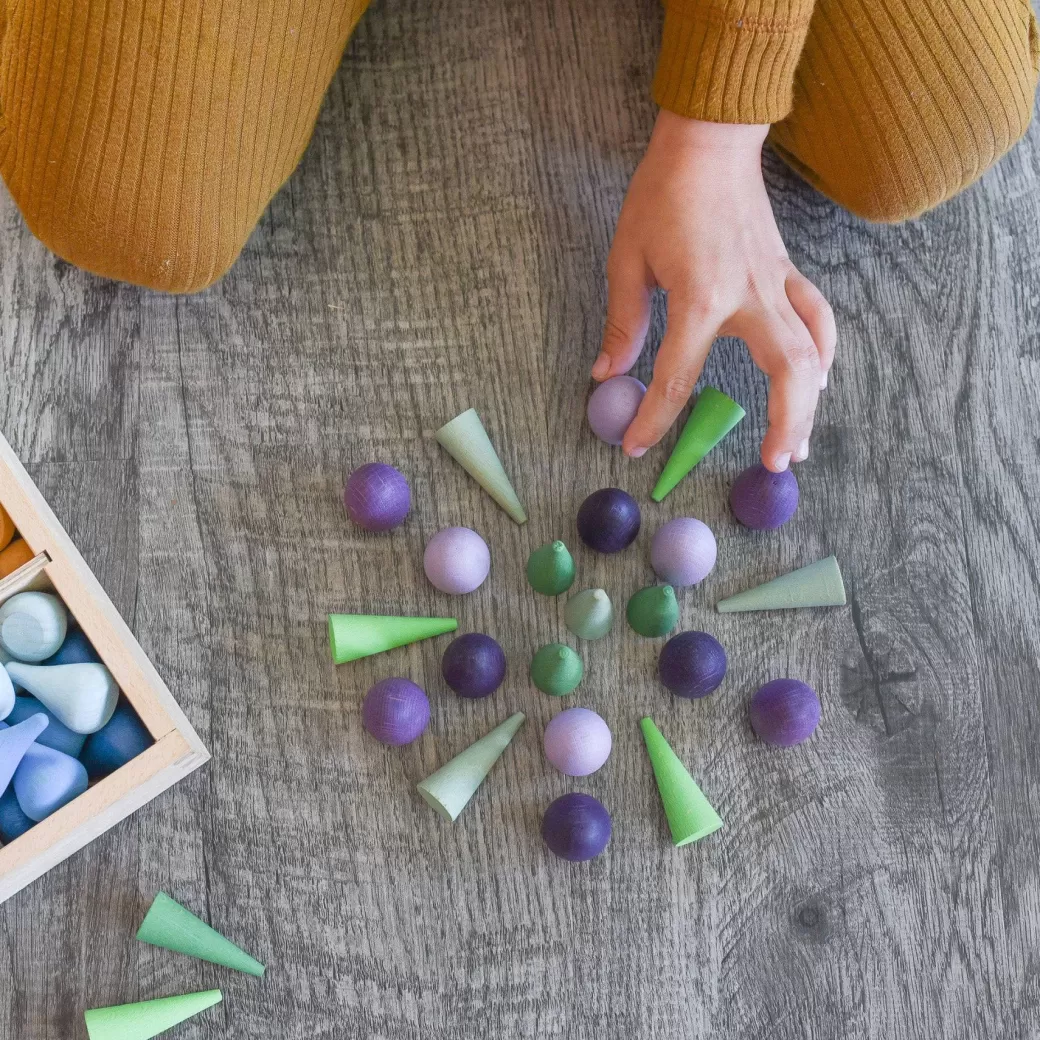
x: 177, y: 750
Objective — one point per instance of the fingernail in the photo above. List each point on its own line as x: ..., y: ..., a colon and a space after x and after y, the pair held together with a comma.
x: 637, y: 453
x: 601, y: 367
x: 803, y: 452
x: 782, y: 461
x: 823, y: 382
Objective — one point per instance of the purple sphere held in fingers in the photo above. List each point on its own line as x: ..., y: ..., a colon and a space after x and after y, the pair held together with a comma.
x: 576, y: 827
x: 377, y: 497
x: 577, y: 741
x: 692, y: 664
x: 457, y: 560
x: 608, y: 520
x: 784, y: 712
x: 395, y: 711
x: 474, y: 665
x: 683, y: 551
x: 763, y: 500
x: 613, y: 406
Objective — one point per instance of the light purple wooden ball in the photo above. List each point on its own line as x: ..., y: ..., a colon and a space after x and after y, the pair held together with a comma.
x: 577, y: 742
x: 613, y: 406
x: 683, y: 551
x: 457, y: 560
x: 784, y: 712
x: 395, y: 711
x: 377, y: 497
x: 763, y: 500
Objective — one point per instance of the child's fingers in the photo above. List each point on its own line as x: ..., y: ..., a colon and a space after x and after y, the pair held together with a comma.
x: 628, y: 314
x: 812, y: 307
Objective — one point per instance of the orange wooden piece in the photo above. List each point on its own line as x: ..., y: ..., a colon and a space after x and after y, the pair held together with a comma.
x: 7, y: 531
x: 14, y: 556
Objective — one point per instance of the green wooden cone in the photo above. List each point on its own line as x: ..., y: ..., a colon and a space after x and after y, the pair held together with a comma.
x: 589, y: 614
x: 556, y: 669
x: 817, y: 585
x: 550, y: 569
x: 359, y: 635
x: 653, y: 611
x: 148, y: 1019
x: 171, y: 926
x: 467, y: 442
x: 454, y: 784
x: 690, y: 815
x: 713, y: 416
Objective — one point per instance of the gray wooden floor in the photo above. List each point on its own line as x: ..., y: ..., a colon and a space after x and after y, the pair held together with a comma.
x: 442, y: 246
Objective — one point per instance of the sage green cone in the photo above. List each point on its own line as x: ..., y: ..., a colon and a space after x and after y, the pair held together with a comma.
x: 556, y: 669
x: 589, y: 614
x: 171, y: 926
x: 550, y: 569
x: 817, y: 585
x: 653, y: 611
x: 360, y: 635
x: 149, y: 1018
x: 713, y: 416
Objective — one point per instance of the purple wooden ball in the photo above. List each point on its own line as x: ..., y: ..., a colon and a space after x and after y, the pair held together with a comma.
x: 608, y: 520
x: 577, y: 741
x: 576, y: 827
x: 377, y: 497
x: 692, y: 664
x: 683, y: 551
x: 457, y: 560
x: 395, y: 711
x: 613, y: 406
x: 784, y: 712
x: 763, y: 500
x: 474, y: 665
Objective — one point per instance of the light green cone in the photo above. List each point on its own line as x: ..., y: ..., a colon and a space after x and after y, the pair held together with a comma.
x: 171, y: 926
x: 148, y: 1019
x: 550, y: 569
x: 454, y: 784
x: 556, y: 669
x: 467, y: 442
x: 690, y: 815
x: 653, y: 611
x: 713, y: 416
x: 360, y: 635
x: 589, y: 614
x: 817, y: 585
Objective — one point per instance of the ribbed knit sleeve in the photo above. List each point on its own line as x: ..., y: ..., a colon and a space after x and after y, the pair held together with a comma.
x: 730, y: 61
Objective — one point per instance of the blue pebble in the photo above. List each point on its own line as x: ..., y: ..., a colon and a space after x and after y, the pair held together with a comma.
x: 75, y: 650
x: 57, y: 735
x: 122, y: 739
x: 13, y: 822
x: 45, y: 780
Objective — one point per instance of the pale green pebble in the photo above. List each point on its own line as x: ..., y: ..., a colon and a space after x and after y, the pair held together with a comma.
x: 653, y: 611
x: 550, y: 569
x: 556, y: 669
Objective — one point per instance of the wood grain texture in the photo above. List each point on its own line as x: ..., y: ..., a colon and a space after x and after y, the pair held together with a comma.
x: 441, y: 247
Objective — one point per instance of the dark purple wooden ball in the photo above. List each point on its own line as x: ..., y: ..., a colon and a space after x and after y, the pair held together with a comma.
x: 395, y: 711
x: 576, y: 827
x: 763, y: 500
x: 377, y: 497
x: 608, y: 520
x: 474, y: 665
x: 784, y: 712
x: 692, y: 664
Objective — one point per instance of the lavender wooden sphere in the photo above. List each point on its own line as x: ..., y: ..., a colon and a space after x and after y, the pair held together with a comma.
x: 613, y: 406
x: 576, y: 827
x: 395, y: 711
x: 608, y: 520
x: 692, y: 664
x: 577, y: 742
x: 763, y: 500
x: 683, y: 551
x: 377, y: 497
x: 457, y: 560
x: 784, y: 712
x: 474, y: 665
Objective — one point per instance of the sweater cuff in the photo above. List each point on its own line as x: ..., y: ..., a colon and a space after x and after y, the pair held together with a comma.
x: 730, y: 63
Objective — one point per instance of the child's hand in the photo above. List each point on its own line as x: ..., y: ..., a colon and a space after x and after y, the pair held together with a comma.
x: 697, y: 223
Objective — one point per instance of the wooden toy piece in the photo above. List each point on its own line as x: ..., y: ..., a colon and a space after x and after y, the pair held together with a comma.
x: 576, y: 827
x: 713, y: 416
x: 817, y: 585
x: 149, y: 1018
x: 14, y: 742
x: 46, y: 779
x: 653, y: 611
x: 57, y: 735
x: 7, y: 531
x: 556, y: 669
x: 609, y: 520
x: 454, y: 784
x: 784, y: 712
x: 692, y: 664
x: 457, y: 560
x: 7, y: 698
x: 467, y: 442
x: 589, y: 614
x: 550, y: 569
x: 33, y: 626
x: 474, y: 665
x: 171, y: 926
x: 577, y: 742
x: 13, y: 822
x: 82, y: 696
x: 121, y: 740
x: 75, y: 650
x: 690, y: 815
x: 613, y: 406
x: 683, y: 551
x: 360, y: 635
x: 16, y: 555
x: 395, y: 711
x: 377, y: 497
x: 763, y: 500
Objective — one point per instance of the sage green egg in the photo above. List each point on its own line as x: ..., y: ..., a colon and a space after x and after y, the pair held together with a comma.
x: 653, y: 611
x: 550, y: 569
x: 556, y: 669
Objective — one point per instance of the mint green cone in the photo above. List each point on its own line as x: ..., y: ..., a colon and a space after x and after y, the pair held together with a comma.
x: 653, y: 611
x: 149, y: 1018
x: 589, y: 614
x: 817, y: 585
